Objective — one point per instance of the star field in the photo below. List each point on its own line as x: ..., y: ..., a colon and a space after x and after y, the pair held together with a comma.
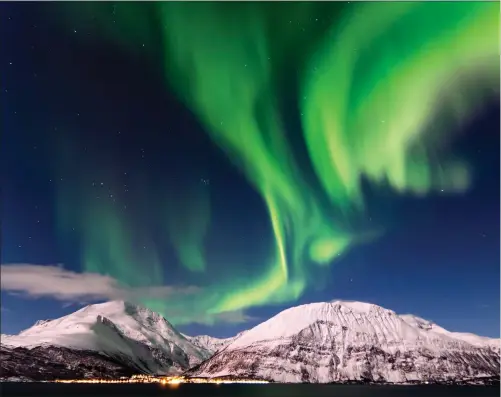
x: 134, y: 149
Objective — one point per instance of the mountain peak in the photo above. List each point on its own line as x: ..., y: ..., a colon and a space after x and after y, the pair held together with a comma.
x: 291, y: 321
x: 343, y: 340
x: 117, y: 328
x: 113, y: 306
x: 116, y: 308
x: 360, y: 307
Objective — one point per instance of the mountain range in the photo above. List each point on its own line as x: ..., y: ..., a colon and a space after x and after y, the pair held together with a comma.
x: 320, y: 343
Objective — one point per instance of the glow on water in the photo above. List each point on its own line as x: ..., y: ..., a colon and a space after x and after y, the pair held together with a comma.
x: 164, y: 380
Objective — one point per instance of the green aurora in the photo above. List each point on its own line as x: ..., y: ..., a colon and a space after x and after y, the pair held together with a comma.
x: 379, y: 89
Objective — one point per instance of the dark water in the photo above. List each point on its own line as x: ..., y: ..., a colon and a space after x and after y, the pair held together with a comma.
x: 79, y: 390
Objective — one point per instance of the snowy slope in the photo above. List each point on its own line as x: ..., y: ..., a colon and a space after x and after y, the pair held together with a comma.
x: 209, y: 343
x: 493, y: 343
x: 131, y: 334
x: 338, y: 341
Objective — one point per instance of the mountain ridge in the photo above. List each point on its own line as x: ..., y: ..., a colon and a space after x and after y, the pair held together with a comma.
x: 318, y: 342
x: 351, y: 341
x: 131, y: 334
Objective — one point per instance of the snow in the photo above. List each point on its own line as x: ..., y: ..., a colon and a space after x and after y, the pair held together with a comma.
x: 117, y: 328
x: 359, y: 317
x: 209, y: 343
x: 470, y: 338
x: 360, y: 307
x: 335, y: 341
x: 349, y: 314
x: 318, y: 342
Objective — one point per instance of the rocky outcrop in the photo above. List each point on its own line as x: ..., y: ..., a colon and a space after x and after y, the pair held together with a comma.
x: 45, y: 363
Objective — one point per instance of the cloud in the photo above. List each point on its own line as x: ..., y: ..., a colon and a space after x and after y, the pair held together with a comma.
x: 69, y: 287
x: 234, y: 317
x: 48, y: 281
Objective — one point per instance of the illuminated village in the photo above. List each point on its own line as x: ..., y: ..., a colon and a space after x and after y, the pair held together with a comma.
x: 165, y: 380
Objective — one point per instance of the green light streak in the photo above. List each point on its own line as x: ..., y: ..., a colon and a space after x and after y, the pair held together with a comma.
x: 188, y: 219
x: 373, y: 122
x: 372, y: 100
x: 237, y: 74
x: 111, y: 240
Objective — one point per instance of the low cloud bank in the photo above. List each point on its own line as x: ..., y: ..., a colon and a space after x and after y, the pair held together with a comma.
x: 55, y: 282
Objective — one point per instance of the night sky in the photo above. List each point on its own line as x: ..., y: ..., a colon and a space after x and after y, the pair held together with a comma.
x: 219, y: 163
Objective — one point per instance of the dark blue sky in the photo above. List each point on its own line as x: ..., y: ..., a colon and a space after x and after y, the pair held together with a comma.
x: 439, y: 257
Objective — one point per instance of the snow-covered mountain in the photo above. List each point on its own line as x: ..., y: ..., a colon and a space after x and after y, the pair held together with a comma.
x: 340, y: 341
x: 129, y: 334
x: 321, y: 342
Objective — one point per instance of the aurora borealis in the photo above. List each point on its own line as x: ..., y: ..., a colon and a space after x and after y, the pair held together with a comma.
x: 306, y: 103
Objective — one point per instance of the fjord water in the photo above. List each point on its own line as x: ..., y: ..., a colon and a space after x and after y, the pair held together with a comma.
x: 274, y: 390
